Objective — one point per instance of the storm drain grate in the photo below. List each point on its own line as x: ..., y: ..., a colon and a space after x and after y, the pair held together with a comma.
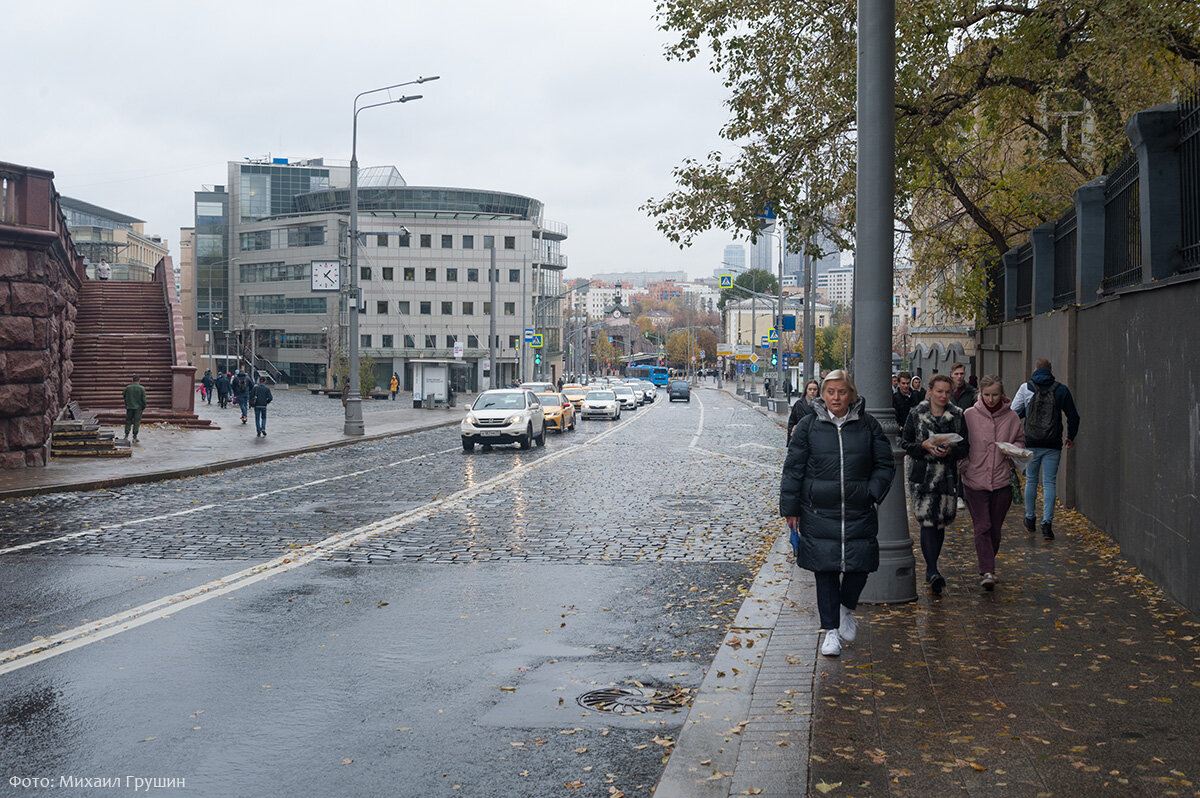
x: 632, y: 700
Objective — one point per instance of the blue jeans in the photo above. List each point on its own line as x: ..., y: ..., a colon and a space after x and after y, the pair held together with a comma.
x: 244, y: 403
x: 260, y: 419
x: 1045, y: 461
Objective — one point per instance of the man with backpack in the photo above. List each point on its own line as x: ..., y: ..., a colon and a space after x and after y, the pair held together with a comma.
x: 241, y: 391
x: 260, y: 397
x: 1042, y: 402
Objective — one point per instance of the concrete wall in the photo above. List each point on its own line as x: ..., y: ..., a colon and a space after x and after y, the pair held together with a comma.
x: 1131, y: 363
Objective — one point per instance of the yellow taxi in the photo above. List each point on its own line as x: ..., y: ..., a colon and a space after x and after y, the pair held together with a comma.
x: 558, y: 411
x: 575, y: 393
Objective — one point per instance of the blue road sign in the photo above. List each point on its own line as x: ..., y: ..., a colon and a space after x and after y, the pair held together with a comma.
x: 764, y: 343
x: 536, y: 343
x: 773, y: 335
x: 727, y: 281
x: 754, y: 367
x: 528, y: 334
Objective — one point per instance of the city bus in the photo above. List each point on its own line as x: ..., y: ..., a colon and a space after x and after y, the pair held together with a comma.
x: 656, y: 375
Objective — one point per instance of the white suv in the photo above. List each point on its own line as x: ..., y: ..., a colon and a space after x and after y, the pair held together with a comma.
x: 504, y: 416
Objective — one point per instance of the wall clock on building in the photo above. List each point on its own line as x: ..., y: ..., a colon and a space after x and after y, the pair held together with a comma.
x: 326, y: 275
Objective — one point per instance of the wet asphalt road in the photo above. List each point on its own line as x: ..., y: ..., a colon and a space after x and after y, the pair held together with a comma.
x: 436, y: 643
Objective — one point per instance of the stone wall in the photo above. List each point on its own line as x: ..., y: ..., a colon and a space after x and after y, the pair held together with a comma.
x: 39, y: 289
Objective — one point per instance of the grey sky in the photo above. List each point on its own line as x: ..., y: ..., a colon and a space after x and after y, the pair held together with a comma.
x: 134, y: 105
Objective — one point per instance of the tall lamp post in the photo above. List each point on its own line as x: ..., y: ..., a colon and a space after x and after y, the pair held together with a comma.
x: 354, y: 417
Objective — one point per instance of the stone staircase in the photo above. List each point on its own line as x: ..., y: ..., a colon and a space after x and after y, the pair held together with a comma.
x: 78, y: 434
x: 124, y: 329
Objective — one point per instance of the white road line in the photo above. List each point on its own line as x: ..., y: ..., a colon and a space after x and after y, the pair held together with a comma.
x: 110, y: 527
x: 700, y: 429
x: 43, y: 648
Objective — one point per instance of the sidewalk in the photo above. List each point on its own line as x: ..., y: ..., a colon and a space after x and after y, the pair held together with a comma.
x: 1076, y: 676
x: 297, y: 422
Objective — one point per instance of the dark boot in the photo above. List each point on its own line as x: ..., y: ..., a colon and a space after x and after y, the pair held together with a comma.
x: 1047, y: 531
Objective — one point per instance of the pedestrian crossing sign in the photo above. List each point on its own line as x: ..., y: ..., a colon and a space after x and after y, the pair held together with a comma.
x: 536, y: 343
x: 727, y: 281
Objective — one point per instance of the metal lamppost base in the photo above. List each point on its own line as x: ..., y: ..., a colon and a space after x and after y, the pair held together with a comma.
x: 896, y: 579
x: 354, y: 416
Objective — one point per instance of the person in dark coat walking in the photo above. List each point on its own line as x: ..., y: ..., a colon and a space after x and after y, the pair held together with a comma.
x: 839, y: 467
x: 933, y: 476
x: 241, y: 391
x: 803, y: 406
x: 963, y: 395
x: 135, y: 403
x: 207, y: 383
x: 904, y: 399
x: 1041, y: 403
x: 222, y: 384
x: 260, y: 397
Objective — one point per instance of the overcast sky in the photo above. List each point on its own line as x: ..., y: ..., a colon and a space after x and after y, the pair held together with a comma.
x: 135, y: 105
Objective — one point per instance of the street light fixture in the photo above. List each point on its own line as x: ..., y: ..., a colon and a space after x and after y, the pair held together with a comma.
x: 354, y: 417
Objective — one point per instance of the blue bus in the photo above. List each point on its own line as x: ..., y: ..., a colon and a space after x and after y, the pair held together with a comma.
x: 658, y: 375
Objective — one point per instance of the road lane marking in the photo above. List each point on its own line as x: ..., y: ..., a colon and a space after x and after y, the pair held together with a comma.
x: 699, y: 429
x: 45, y: 647
x: 110, y: 527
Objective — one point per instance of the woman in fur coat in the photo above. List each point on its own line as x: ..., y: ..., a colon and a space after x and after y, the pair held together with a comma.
x: 933, y: 479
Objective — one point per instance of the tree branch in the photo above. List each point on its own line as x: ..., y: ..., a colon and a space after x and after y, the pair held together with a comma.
x: 976, y: 213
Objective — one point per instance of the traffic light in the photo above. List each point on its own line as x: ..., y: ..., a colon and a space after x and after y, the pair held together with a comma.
x: 774, y: 359
x: 537, y: 358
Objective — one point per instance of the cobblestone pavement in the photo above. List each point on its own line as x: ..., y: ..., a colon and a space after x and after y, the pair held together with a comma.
x: 647, y: 492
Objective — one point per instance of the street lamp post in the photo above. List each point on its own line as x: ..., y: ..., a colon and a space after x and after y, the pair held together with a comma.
x: 354, y: 417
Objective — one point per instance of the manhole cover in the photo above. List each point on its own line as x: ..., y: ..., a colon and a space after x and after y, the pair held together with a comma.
x: 632, y: 700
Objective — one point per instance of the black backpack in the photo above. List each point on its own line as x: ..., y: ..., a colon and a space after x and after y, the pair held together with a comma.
x: 1041, y: 413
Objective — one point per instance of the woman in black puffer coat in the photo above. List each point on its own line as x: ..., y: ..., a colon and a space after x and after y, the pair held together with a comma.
x: 839, y: 467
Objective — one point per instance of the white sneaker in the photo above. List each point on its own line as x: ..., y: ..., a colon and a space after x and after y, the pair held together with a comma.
x: 962, y: 505
x: 848, y: 630
x: 832, y: 646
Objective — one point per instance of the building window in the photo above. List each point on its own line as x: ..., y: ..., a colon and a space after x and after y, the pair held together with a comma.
x: 404, y: 307
x: 426, y: 308
x: 489, y: 242
x: 510, y: 308
x: 510, y: 242
x: 514, y: 275
x: 431, y: 342
x: 447, y: 242
x: 487, y: 308
x: 409, y: 342
x: 472, y: 275
x: 431, y: 275
x: 388, y: 342
x: 381, y: 307
x: 364, y: 272
x: 472, y: 342
x: 468, y: 308
x: 450, y: 341
x: 512, y: 342
x: 820, y: 321
x: 389, y: 273
x: 410, y: 273
x: 452, y: 275
x: 381, y: 240
x: 447, y: 308
x: 364, y: 340
x: 404, y: 239
x: 468, y: 242
x: 426, y: 241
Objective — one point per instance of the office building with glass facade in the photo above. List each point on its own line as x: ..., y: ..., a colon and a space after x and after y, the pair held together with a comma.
x: 423, y: 273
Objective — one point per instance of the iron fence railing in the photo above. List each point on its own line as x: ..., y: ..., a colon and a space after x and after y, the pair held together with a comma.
x: 1024, y: 280
x: 1122, y: 226
x: 1065, y: 243
x: 1189, y: 177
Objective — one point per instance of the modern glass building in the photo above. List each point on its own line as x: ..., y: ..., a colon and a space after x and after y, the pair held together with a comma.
x: 423, y: 262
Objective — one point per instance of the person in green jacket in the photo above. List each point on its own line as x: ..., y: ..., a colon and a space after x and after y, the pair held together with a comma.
x: 135, y: 403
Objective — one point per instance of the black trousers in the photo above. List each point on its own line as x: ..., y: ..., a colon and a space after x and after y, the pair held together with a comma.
x: 834, y: 590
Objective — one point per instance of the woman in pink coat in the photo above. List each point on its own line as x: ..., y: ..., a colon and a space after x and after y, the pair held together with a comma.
x: 987, y: 471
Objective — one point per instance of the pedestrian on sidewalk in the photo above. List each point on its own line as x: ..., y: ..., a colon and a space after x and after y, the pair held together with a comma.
x: 987, y: 471
x: 394, y: 385
x: 260, y: 397
x: 787, y: 388
x: 104, y: 271
x: 208, y: 383
x: 839, y: 467
x: 222, y: 385
x: 241, y: 391
x: 1042, y: 402
x: 933, y: 476
x: 918, y: 392
x: 135, y: 403
x: 904, y: 400
x: 803, y: 406
x: 964, y: 397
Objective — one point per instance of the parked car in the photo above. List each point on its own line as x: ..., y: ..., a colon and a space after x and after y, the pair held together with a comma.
x: 601, y: 404
x: 679, y: 389
x: 509, y: 415
x: 638, y: 390
x: 626, y: 395
x: 559, y: 412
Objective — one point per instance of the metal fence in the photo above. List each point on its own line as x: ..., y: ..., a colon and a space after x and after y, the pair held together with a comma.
x: 1189, y: 178
x: 1025, y: 279
x: 1065, y: 244
x: 1122, y: 226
